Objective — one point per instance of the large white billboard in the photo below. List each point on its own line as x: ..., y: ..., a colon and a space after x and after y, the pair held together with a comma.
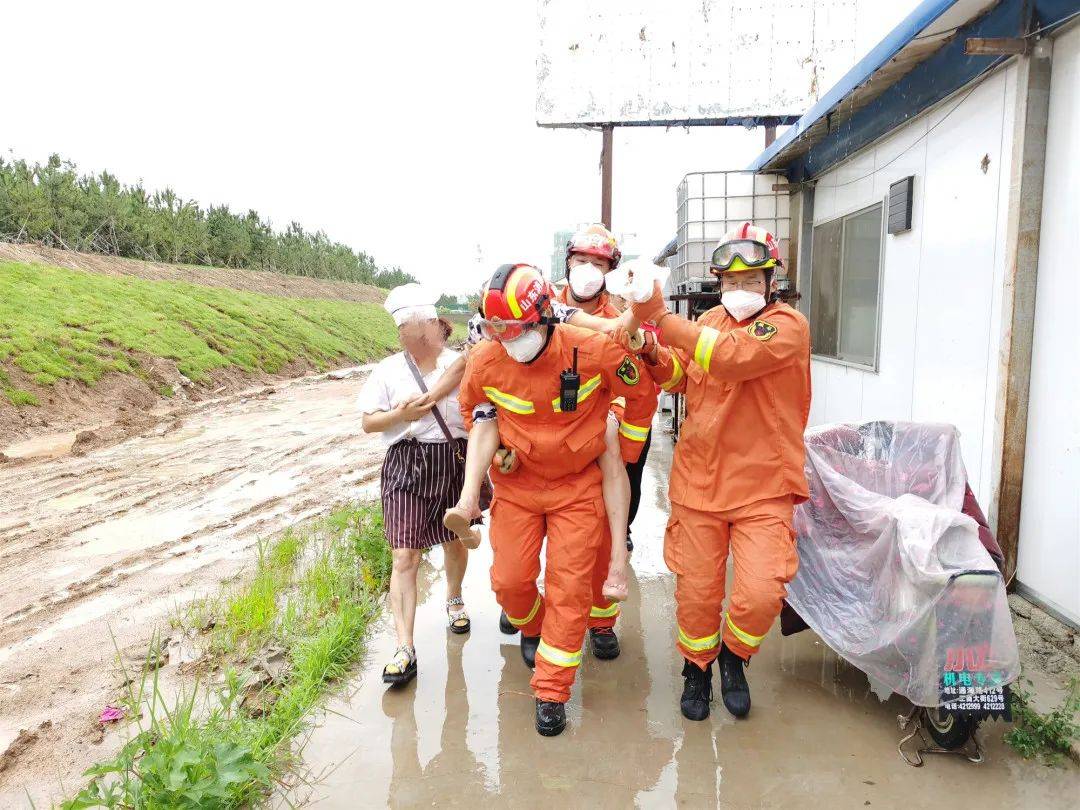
x: 688, y: 61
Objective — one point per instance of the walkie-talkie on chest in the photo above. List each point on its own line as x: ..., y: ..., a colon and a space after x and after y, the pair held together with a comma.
x: 569, y: 382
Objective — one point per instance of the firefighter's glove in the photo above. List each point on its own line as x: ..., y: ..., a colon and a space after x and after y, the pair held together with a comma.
x: 653, y: 309
x: 647, y: 352
x: 506, y: 461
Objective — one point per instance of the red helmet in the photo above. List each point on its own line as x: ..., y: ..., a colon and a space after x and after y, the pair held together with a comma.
x: 595, y: 240
x: 512, y: 301
x: 747, y: 247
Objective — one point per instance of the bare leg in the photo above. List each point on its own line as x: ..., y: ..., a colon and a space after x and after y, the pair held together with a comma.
x: 483, y: 442
x: 616, y: 487
x: 457, y: 559
x: 403, y: 593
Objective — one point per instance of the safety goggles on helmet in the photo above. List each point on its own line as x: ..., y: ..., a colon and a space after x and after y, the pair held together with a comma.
x: 500, y: 330
x: 751, y: 252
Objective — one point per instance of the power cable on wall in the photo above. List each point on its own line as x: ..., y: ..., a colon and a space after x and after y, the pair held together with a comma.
x: 1054, y: 24
x: 918, y: 140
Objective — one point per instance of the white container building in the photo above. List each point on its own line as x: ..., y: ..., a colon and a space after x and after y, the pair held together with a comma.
x: 935, y: 212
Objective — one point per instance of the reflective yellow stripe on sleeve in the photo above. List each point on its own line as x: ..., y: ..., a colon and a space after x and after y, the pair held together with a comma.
x: 633, y: 432
x: 509, y: 401
x: 703, y: 349
x: 676, y: 373
x: 527, y: 619
x: 742, y: 635
x: 605, y: 613
x: 560, y: 658
x: 583, y: 392
x: 699, y: 644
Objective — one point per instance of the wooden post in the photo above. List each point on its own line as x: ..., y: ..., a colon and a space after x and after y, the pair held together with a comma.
x: 1018, y: 306
x: 605, y: 175
x: 770, y: 134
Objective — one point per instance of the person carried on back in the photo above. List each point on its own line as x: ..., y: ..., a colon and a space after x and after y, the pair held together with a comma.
x: 592, y: 248
x: 550, y: 385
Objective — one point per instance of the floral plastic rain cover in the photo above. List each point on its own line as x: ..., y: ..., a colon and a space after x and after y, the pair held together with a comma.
x: 892, y: 574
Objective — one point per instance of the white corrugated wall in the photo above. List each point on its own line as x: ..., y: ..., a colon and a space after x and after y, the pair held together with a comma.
x: 941, y: 293
x: 1049, y: 561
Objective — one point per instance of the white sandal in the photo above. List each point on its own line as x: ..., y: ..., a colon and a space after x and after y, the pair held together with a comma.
x: 455, y: 617
x: 402, y: 668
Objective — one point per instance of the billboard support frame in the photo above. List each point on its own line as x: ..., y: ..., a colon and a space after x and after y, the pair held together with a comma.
x: 606, y: 160
x: 750, y: 122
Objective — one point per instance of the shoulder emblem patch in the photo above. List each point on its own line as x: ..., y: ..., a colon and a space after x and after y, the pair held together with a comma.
x: 761, y: 330
x: 628, y: 372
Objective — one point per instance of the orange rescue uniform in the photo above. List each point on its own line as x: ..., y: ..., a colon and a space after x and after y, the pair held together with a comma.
x: 604, y: 308
x: 556, y: 490
x: 737, y: 471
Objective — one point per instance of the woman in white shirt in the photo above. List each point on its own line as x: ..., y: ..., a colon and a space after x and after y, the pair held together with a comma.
x: 424, y: 467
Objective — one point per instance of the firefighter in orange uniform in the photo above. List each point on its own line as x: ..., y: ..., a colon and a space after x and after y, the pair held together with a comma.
x: 737, y: 471
x: 591, y: 254
x: 550, y: 386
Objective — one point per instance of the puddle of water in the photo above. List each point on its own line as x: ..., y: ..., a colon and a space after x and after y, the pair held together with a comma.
x: 73, y: 501
x: 87, y: 611
x: 61, y: 571
x: 51, y: 446
x: 131, y: 532
x: 462, y: 734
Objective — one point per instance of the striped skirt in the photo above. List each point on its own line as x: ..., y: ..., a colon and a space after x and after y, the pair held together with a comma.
x: 420, y: 481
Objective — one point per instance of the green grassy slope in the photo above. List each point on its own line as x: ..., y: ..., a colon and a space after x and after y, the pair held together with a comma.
x: 65, y: 324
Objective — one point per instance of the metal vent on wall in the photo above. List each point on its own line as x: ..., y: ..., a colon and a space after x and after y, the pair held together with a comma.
x: 900, y: 204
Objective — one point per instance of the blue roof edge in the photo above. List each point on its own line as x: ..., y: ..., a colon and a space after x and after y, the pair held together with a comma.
x: 913, y: 25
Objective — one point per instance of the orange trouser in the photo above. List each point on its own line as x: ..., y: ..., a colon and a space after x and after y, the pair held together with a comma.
x: 572, y: 516
x: 696, y: 545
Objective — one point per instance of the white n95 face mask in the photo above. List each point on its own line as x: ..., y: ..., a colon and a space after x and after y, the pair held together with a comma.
x: 586, y: 281
x: 741, y: 304
x: 525, y: 348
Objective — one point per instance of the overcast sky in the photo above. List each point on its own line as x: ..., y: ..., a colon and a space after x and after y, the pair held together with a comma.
x: 404, y: 129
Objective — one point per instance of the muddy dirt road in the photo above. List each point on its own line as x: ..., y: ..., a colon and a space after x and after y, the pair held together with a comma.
x: 462, y: 734
x: 112, y: 541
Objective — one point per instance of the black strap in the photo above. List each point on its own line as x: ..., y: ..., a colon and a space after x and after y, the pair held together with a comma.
x: 423, y: 388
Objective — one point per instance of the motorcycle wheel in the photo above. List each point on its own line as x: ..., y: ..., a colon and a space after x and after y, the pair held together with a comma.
x: 947, y: 730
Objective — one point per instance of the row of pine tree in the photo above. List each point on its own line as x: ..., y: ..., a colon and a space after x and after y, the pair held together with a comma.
x: 52, y: 204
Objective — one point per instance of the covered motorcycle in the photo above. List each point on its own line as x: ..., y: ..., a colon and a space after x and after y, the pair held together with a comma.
x: 898, y: 572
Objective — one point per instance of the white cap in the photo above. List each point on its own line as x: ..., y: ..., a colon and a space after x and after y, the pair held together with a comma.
x: 410, y: 302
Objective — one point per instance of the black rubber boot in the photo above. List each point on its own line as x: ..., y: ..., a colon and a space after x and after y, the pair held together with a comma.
x: 733, y: 685
x: 697, y: 691
x: 604, y: 643
x: 629, y: 543
x: 504, y: 625
x: 528, y: 650
x: 550, y: 717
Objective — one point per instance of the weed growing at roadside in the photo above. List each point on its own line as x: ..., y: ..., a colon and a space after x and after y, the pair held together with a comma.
x: 313, y: 595
x: 1046, y: 736
x: 177, y: 761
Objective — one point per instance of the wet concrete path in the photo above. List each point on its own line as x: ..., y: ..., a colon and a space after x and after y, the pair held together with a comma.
x: 462, y: 734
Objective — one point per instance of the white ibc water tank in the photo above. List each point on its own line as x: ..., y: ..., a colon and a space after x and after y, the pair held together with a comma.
x: 712, y: 203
